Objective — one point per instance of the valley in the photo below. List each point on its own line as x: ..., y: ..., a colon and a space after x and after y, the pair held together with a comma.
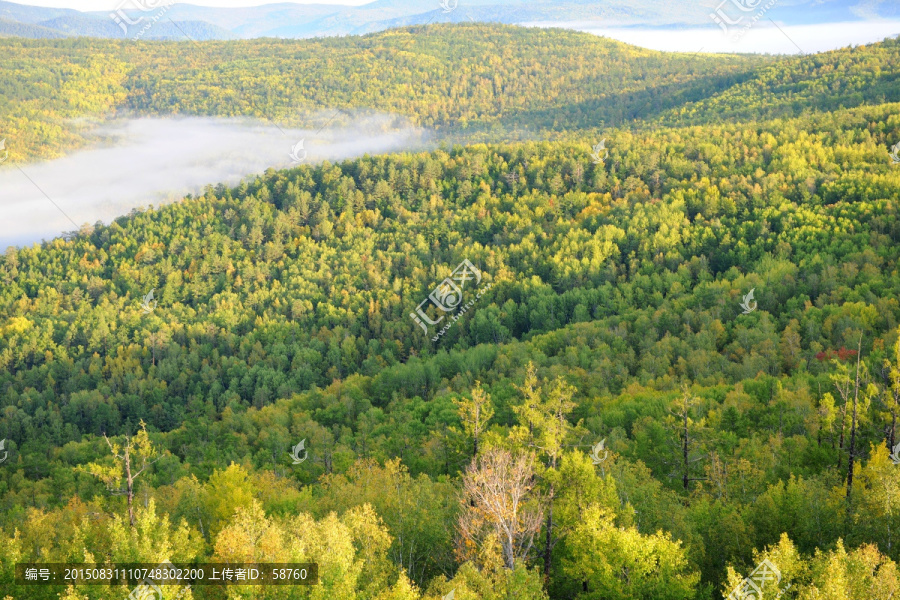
x: 671, y: 282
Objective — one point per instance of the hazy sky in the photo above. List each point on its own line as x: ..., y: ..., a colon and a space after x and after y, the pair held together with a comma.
x: 111, y: 4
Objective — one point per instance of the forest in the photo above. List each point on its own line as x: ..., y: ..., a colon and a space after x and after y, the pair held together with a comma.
x: 683, y: 359
x: 53, y: 91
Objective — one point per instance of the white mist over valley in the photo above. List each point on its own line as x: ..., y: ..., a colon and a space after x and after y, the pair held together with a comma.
x: 150, y: 161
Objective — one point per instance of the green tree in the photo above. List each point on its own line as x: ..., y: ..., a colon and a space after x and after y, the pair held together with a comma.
x: 475, y: 415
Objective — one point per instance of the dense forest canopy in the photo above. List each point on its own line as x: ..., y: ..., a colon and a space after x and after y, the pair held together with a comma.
x: 532, y: 79
x: 665, y: 430
x: 534, y: 83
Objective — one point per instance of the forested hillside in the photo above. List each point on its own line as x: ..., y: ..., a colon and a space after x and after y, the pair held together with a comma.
x: 680, y: 355
x: 819, y: 82
x: 283, y: 315
x: 438, y: 76
x: 535, y: 83
x: 14, y: 28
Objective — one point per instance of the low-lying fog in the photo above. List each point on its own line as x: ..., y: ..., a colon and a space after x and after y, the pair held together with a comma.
x: 139, y: 162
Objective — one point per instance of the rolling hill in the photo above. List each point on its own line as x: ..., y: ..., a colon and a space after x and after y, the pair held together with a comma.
x: 524, y: 366
x: 436, y: 76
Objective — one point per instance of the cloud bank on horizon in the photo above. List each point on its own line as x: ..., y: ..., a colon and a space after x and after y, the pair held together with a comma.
x: 765, y: 38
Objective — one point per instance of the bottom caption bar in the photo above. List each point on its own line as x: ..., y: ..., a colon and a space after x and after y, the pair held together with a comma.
x: 154, y: 575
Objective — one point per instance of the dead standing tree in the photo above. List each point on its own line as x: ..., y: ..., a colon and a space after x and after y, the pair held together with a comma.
x: 137, y: 450
x: 849, y: 387
x: 890, y: 375
x: 498, y: 500
x: 686, y: 434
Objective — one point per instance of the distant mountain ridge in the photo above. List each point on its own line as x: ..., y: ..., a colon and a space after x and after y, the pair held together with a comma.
x: 289, y: 20
x: 9, y: 28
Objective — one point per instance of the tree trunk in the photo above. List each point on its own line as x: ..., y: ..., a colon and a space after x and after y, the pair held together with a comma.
x: 510, y: 552
x: 548, y: 546
x: 684, y: 450
x: 853, y: 427
x: 893, y: 428
x: 843, y: 426
x: 130, y: 491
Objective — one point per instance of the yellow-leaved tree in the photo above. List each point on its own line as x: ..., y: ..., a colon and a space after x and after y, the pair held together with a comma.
x: 129, y: 461
x: 619, y: 563
x: 351, y: 552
